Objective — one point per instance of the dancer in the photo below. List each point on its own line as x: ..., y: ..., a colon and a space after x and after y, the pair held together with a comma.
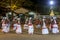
x: 18, y: 27
x: 26, y: 25
x: 8, y: 24
x: 31, y: 28
x: 4, y: 26
x: 55, y: 27
x: 14, y: 24
x: 51, y: 25
x: 44, y: 28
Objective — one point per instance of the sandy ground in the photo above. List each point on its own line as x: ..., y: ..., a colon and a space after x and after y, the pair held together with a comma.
x: 25, y: 36
x: 12, y: 36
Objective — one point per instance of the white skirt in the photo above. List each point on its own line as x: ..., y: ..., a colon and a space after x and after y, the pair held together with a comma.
x: 14, y: 28
x: 30, y: 30
x: 55, y: 30
x: 5, y: 29
x: 45, y: 31
x: 8, y: 27
x: 18, y: 30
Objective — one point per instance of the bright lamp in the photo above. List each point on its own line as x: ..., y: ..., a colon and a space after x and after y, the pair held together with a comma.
x: 51, y: 2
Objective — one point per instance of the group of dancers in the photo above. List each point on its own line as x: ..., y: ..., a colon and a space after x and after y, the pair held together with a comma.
x: 17, y: 27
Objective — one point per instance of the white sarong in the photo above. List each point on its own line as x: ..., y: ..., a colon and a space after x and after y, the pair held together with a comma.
x: 31, y: 29
x: 55, y: 29
x: 5, y: 28
x: 19, y: 29
x: 15, y: 25
x: 45, y: 31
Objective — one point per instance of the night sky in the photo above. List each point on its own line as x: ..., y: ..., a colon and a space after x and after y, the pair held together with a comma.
x: 46, y: 2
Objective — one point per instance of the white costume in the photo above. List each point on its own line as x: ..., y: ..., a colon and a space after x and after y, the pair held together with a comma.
x: 5, y: 28
x: 30, y: 29
x: 44, y: 28
x: 15, y: 25
x: 8, y: 27
x: 18, y: 29
x: 55, y: 28
x: 26, y: 25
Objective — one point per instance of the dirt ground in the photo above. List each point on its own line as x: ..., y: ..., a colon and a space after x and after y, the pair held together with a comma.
x: 12, y: 36
x: 25, y: 36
